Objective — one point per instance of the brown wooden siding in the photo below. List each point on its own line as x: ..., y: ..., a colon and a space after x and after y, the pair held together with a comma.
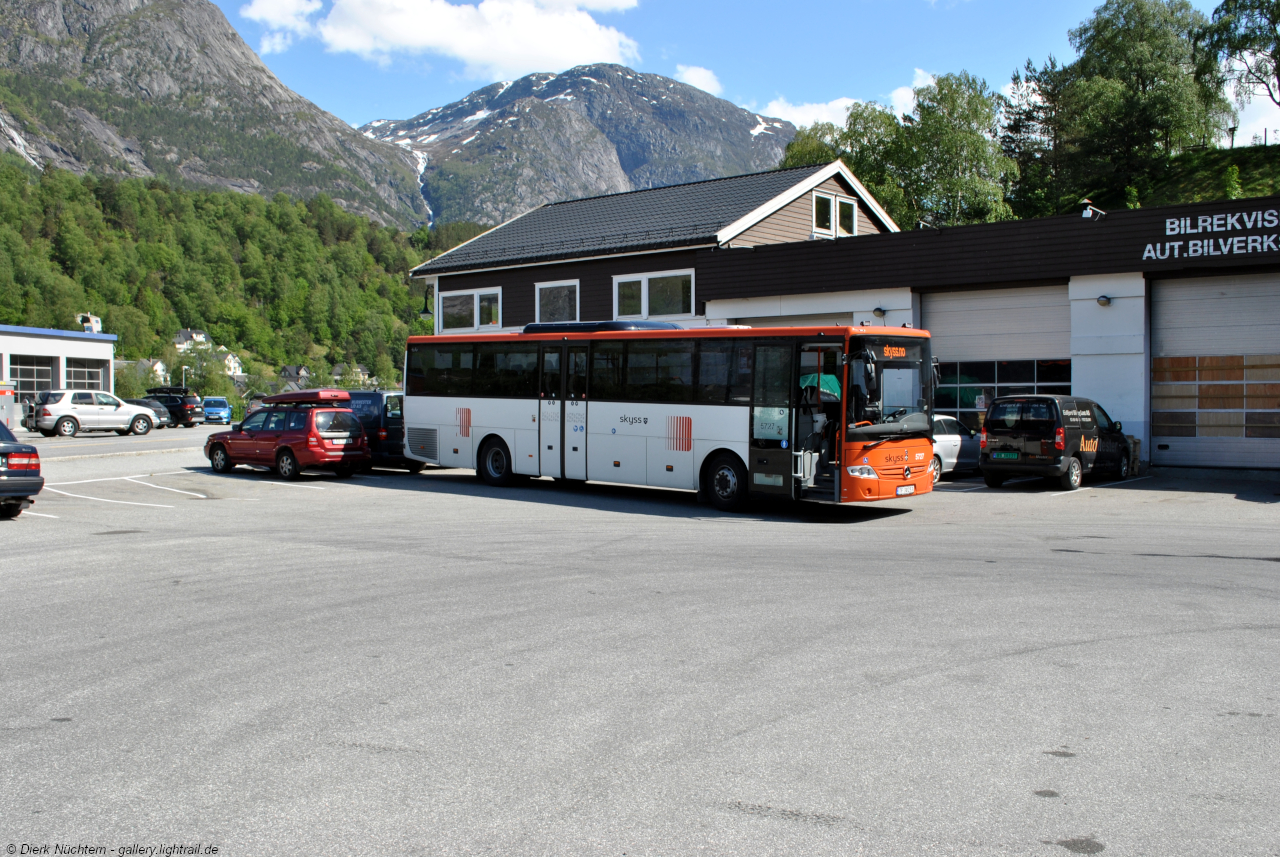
x: 595, y: 283
x: 868, y: 223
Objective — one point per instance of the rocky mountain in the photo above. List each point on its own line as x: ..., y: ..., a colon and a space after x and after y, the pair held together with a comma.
x: 168, y: 88
x: 592, y: 130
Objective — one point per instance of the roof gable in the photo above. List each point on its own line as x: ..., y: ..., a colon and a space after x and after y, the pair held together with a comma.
x: 685, y: 215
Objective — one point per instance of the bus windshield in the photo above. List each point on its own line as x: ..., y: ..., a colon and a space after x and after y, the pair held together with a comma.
x: 890, y: 387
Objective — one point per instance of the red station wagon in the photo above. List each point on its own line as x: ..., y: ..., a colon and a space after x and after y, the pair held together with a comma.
x: 295, y: 431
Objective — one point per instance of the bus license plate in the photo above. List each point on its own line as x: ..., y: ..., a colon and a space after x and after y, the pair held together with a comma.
x: 1004, y: 455
x: 903, y: 490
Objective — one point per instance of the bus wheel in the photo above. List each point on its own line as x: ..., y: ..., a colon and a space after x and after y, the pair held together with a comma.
x: 727, y: 480
x: 495, y: 463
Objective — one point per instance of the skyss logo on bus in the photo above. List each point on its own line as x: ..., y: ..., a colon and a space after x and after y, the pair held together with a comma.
x: 894, y: 351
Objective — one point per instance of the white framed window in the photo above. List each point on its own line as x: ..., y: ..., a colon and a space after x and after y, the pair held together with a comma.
x: 472, y: 310
x: 556, y: 301
x: 834, y: 216
x: 846, y: 217
x: 824, y: 214
x: 661, y: 294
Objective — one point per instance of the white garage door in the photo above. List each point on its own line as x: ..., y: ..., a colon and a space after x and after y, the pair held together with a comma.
x: 998, y: 342
x: 1215, y: 372
x: 999, y: 324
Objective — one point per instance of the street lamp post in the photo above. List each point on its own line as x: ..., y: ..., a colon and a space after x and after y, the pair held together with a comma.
x: 184, y: 376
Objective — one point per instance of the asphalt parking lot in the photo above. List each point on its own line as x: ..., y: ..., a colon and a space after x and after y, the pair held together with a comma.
x: 423, y: 665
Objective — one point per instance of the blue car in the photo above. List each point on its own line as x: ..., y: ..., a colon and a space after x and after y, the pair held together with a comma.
x: 217, y: 410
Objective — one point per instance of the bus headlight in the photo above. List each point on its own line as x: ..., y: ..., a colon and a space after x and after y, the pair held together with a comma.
x: 862, y: 471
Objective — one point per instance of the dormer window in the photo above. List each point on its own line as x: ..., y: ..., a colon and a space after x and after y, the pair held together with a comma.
x: 822, y: 213
x: 845, y: 221
x: 834, y: 216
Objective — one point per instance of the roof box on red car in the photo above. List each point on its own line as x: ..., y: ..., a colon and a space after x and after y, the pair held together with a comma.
x: 309, y: 397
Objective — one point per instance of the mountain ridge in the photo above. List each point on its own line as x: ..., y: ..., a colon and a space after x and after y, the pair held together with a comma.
x: 594, y: 129
x: 168, y: 88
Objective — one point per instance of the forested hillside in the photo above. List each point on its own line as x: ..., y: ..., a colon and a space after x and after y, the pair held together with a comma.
x: 279, y: 281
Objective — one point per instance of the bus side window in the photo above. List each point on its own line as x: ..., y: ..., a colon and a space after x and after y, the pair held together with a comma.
x: 448, y: 369
x: 606, y: 371
x: 715, y: 357
x: 660, y: 370
x: 415, y: 382
x: 506, y: 371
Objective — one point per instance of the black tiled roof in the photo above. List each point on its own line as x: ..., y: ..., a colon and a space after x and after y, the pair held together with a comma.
x: 676, y: 216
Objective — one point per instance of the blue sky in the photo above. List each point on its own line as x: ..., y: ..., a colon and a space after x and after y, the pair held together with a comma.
x: 391, y: 59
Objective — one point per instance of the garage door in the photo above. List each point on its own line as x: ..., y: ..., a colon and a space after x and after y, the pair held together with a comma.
x: 999, y: 324
x: 997, y: 342
x: 1215, y: 372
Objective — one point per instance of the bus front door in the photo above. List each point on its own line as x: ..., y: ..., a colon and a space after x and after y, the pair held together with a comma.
x: 574, y: 422
x: 550, y: 412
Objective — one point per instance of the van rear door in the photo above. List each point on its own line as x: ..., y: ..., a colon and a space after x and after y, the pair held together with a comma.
x: 1022, y: 430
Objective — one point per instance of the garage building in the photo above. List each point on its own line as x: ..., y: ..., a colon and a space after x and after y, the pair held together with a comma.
x: 38, y: 358
x: 1169, y: 317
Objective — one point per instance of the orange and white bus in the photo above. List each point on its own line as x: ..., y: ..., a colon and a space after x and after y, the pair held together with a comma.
x: 823, y: 414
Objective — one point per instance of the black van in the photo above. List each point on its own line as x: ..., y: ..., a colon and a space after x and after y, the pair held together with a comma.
x: 381, y: 413
x: 1061, y: 438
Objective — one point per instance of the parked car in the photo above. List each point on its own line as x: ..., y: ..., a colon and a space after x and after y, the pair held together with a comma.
x: 69, y: 412
x: 162, y: 420
x: 955, y: 447
x: 216, y: 410
x: 184, y: 406
x: 381, y: 414
x: 1062, y: 438
x: 20, y: 479
x: 294, y: 432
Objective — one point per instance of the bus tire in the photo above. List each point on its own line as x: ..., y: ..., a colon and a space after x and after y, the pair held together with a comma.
x: 727, y: 482
x: 495, y: 464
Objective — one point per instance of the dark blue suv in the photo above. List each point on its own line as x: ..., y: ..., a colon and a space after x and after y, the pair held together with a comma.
x: 381, y: 413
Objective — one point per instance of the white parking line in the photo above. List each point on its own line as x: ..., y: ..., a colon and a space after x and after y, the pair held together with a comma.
x: 104, y: 479
x: 1064, y: 493
x: 103, y: 500
x: 294, y: 485
x: 38, y: 515
x: 163, y: 488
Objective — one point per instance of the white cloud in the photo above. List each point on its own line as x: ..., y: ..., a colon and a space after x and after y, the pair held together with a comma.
x: 834, y: 111
x: 703, y: 78
x: 276, y: 42
x: 282, y: 15
x: 903, y: 99
x: 494, y: 38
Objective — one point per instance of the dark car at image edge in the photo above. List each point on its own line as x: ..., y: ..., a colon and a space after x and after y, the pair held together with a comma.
x: 20, y: 479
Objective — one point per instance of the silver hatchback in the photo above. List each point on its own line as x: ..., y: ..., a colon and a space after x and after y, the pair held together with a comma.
x: 68, y: 412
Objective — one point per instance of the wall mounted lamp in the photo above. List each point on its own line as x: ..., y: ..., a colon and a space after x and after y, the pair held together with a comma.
x: 1104, y: 301
x: 878, y: 312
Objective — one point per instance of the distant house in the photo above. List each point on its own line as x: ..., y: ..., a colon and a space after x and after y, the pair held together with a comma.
x: 148, y: 370
x: 186, y: 339
x: 232, y: 362
x: 90, y: 323
x: 297, y: 375
x: 357, y: 371
x: 156, y: 368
